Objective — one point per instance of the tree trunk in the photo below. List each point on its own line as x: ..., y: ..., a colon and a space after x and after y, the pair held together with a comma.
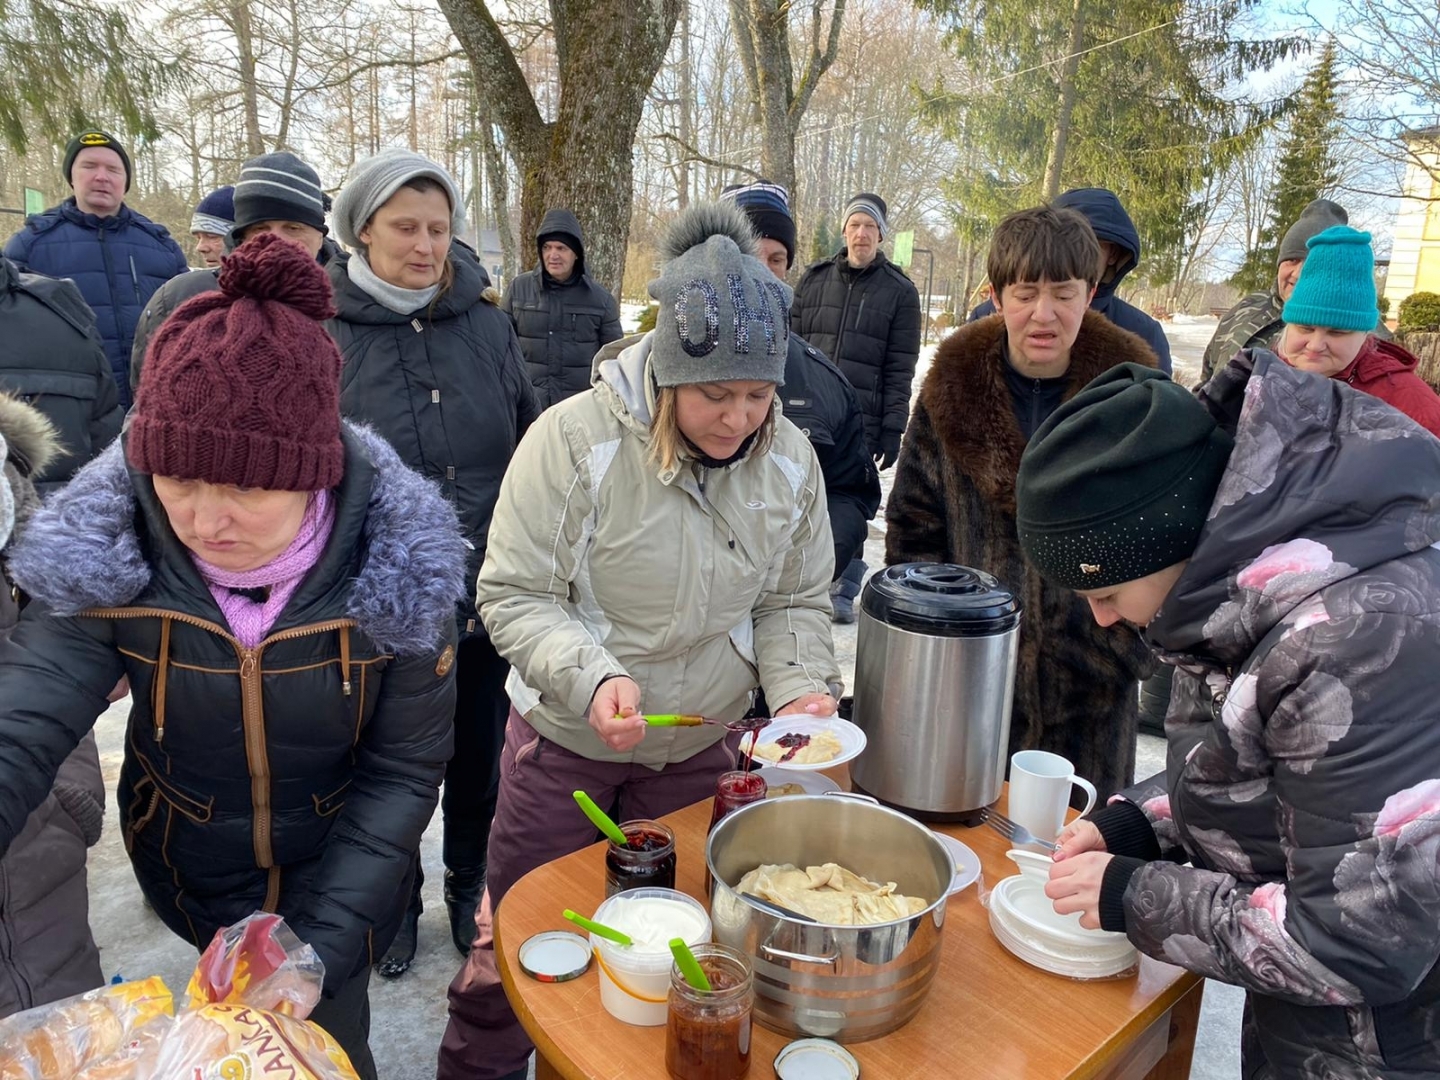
x: 1055, y: 166
x: 687, y: 108
x: 609, y: 56
x: 498, y: 181
x: 240, y: 23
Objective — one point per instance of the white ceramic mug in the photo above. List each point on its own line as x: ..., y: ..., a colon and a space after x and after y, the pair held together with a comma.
x: 1040, y: 785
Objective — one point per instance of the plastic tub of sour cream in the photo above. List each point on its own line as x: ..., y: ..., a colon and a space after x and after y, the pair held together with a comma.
x: 635, y: 979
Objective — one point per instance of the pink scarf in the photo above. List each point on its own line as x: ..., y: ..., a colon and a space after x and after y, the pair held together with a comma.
x: 251, y: 620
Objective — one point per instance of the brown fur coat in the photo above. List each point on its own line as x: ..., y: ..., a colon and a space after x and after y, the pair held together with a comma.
x: 954, y: 501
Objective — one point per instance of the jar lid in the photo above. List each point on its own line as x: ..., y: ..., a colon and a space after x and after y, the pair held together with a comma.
x: 816, y: 1059
x: 941, y: 599
x: 555, y: 956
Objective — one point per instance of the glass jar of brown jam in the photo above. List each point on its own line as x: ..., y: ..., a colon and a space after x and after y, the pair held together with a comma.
x: 646, y: 861
x: 707, y: 1034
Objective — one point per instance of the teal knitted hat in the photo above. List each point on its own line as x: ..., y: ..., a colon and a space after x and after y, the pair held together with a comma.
x: 1337, y: 286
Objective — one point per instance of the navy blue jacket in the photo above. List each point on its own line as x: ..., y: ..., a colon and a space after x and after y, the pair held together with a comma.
x: 116, y: 263
x: 1110, y: 221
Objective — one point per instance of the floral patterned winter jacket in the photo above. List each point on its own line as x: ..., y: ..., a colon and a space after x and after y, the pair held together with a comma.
x: 1303, y: 781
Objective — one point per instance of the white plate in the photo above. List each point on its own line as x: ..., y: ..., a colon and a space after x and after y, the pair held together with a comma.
x: 967, y: 863
x: 852, y: 739
x: 814, y: 783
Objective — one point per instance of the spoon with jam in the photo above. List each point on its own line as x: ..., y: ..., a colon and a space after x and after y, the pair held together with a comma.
x: 745, y: 725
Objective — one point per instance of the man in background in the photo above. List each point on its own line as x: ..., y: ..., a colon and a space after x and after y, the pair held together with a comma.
x: 116, y: 257
x: 561, y: 316
x: 1255, y: 322
x: 860, y: 309
x: 211, y: 224
x: 816, y: 397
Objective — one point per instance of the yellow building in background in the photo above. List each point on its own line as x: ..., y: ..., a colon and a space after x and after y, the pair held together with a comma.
x: 1415, y: 254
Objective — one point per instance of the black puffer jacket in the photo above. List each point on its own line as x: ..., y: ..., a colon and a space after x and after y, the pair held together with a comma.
x: 296, y: 776
x: 53, y: 360
x: 868, y: 322
x: 819, y: 400
x: 561, y: 324
x: 445, y: 386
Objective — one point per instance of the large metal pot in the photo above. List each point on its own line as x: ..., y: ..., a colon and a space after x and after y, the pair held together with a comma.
x: 934, y: 681
x: 847, y: 983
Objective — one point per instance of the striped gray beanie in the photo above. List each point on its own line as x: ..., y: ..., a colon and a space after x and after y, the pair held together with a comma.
x: 870, y: 204
x: 278, y: 187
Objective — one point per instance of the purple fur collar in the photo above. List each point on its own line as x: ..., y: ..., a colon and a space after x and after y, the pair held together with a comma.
x: 81, y: 551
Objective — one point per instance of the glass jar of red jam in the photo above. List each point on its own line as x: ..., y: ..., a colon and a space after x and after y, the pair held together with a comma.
x: 734, y: 790
x: 646, y: 861
x: 707, y: 1033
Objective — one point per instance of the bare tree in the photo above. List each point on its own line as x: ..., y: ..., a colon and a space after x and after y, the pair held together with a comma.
x: 608, y: 52
x: 762, y: 33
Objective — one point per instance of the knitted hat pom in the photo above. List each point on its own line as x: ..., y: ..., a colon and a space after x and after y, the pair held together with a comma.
x: 270, y: 267
x: 241, y: 385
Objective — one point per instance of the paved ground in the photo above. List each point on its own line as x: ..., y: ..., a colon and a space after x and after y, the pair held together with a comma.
x: 409, y: 1013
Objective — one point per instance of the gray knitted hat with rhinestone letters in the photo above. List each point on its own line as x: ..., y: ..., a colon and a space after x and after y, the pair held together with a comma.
x: 722, y: 315
x: 1118, y: 483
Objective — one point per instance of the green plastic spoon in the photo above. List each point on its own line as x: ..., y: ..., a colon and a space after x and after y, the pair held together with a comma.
x: 688, y: 965
x: 609, y: 933
x: 601, y: 819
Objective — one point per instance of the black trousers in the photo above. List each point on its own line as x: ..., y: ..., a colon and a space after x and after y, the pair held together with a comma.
x: 472, y: 779
x: 346, y: 1017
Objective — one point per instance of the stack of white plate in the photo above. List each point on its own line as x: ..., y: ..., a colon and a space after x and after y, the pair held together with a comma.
x: 1023, y: 920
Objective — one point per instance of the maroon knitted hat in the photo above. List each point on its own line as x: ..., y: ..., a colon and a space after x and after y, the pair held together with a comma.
x: 242, y: 386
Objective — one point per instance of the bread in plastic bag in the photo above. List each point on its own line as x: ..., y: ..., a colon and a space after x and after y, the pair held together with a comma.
x: 61, y: 1039
x: 244, y: 1018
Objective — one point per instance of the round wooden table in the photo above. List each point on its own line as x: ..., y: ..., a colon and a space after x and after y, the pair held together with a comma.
x: 988, y: 1014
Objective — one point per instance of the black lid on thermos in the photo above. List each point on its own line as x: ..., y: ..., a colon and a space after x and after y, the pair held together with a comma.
x: 940, y: 599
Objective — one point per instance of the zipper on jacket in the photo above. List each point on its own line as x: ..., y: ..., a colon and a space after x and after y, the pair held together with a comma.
x: 135, y: 280
x: 844, y: 311
x: 252, y: 710
x: 1035, y: 407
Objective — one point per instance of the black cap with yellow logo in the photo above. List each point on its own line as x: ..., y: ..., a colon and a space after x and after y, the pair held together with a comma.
x: 95, y: 137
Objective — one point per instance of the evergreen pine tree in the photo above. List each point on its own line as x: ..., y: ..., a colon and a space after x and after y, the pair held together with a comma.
x: 1307, y: 170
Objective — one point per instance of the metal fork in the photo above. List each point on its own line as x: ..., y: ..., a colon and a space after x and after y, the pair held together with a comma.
x: 1012, y: 830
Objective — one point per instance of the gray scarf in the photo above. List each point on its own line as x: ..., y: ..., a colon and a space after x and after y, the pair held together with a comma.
x: 401, y: 301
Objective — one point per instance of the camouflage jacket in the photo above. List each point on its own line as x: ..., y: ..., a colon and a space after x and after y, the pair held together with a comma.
x: 1254, y: 323
x: 1303, y: 781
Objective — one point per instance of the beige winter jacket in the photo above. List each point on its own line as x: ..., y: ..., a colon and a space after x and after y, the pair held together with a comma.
x: 700, y: 584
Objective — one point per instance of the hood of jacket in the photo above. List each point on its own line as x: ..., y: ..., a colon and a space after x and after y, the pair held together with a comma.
x: 566, y: 224
x: 968, y: 397
x: 355, y: 305
x: 624, y: 367
x: 1376, y: 359
x: 28, y: 436
x: 1325, y: 482
x: 84, y: 549
x: 1108, y: 218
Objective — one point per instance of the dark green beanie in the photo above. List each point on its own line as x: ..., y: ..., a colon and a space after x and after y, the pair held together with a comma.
x: 1117, y: 484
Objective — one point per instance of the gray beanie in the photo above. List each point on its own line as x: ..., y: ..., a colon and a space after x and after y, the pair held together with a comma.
x: 376, y: 179
x: 1313, y: 220
x: 723, y: 315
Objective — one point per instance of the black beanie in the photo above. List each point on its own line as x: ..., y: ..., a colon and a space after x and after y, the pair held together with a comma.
x: 1117, y: 484
x: 95, y: 137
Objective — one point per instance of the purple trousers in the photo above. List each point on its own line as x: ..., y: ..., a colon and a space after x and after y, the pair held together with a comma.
x: 537, y: 821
